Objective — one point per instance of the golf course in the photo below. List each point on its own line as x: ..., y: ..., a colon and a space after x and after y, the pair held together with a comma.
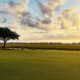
x: 39, y: 65
x: 39, y: 39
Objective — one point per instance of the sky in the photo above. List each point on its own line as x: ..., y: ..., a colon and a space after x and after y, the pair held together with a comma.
x: 42, y: 20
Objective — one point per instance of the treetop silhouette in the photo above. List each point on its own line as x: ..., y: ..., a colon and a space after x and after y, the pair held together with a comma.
x: 6, y: 34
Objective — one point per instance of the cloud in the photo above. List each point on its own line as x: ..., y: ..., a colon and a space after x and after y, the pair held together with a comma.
x: 52, y: 5
x: 49, y: 9
x: 70, y: 19
x: 28, y: 20
x: 50, y: 27
x: 19, y: 7
x: 65, y: 27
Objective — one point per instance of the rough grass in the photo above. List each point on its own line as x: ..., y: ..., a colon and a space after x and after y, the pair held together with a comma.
x: 57, y: 46
x: 39, y: 65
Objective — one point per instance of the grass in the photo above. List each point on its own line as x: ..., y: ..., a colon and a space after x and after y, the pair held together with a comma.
x: 39, y: 65
x: 55, y: 46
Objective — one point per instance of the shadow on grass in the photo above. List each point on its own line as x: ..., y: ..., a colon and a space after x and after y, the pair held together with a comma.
x: 39, y: 49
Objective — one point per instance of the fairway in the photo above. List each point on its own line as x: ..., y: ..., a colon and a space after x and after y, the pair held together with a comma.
x: 39, y: 65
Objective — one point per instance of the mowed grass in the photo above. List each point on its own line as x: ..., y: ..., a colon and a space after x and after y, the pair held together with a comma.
x: 39, y: 65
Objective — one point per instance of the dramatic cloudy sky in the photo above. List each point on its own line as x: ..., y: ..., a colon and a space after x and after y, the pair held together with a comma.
x: 42, y: 20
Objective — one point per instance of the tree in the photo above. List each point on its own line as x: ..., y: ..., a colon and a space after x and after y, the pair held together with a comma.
x: 6, y: 34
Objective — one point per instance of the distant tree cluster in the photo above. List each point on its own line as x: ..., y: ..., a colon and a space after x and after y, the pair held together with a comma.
x: 6, y: 34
